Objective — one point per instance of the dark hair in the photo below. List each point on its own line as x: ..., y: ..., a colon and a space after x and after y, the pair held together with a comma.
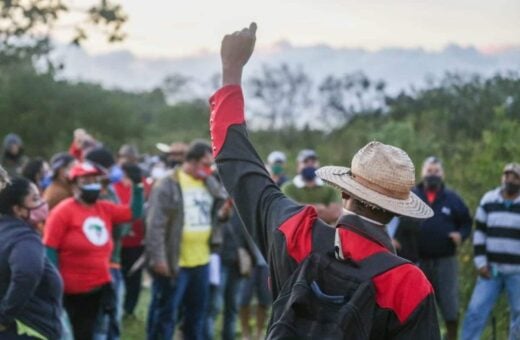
x: 13, y: 194
x: 197, y: 150
x: 32, y: 169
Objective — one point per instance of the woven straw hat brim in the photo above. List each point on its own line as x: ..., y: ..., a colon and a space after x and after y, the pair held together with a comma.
x: 340, y: 178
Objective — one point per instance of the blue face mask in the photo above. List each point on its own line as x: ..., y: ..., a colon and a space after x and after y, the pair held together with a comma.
x: 91, y: 187
x: 308, y: 173
x: 116, y: 174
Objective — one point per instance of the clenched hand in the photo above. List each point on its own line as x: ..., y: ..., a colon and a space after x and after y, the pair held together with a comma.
x: 235, y: 51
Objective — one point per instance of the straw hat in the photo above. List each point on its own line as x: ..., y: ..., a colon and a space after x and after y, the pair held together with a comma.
x: 382, y: 175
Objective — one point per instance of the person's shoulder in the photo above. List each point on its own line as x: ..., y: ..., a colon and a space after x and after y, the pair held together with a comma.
x: 15, y: 230
x: 64, y: 205
x: 402, y: 290
x: 330, y: 190
x: 453, y: 195
x: 171, y: 175
x: 491, y: 196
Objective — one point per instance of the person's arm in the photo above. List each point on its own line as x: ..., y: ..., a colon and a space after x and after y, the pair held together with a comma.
x: 52, y: 255
x: 260, y: 203
x: 160, y: 209
x: 464, y: 220
x: 137, y: 203
x: 479, y: 241
x: 122, y: 214
x: 26, y: 263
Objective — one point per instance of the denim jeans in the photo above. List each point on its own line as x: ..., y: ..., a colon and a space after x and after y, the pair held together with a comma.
x: 160, y: 314
x: 483, y: 299
x: 191, y: 294
x: 226, y: 294
x: 109, y: 326
x: 189, y: 291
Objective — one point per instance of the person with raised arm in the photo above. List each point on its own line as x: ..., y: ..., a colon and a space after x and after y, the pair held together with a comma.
x: 376, y: 188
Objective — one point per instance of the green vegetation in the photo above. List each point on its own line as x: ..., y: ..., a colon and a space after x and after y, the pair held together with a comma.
x: 473, y: 124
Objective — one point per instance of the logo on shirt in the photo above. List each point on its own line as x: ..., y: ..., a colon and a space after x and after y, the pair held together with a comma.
x: 446, y: 211
x: 95, y: 230
x: 197, y: 209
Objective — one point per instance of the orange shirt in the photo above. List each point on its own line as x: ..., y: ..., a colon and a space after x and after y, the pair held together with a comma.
x: 82, y: 238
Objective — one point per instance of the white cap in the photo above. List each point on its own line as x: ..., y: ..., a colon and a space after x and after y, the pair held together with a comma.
x: 276, y: 156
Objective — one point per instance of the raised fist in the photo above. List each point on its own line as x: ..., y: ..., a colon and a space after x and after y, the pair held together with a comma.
x: 235, y: 51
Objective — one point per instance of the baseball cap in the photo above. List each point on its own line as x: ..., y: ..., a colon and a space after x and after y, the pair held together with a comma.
x: 276, y: 157
x: 60, y: 160
x: 306, y: 154
x: 512, y: 167
x: 83, y: 169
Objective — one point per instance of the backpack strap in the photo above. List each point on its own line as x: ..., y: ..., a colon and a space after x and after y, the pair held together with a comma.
x: 323, y: 237
x: 380, y: 263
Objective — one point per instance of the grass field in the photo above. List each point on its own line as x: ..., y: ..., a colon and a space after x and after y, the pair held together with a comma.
x: 134, y: 328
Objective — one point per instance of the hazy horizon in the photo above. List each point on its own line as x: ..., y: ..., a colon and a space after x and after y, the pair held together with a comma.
x: 162, y: 28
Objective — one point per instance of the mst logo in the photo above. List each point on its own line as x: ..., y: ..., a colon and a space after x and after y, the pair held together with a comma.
x: 95, y: 230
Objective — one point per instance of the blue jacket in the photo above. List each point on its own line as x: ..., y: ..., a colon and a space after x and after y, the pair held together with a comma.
x: 30, y: 286
x: 450, y: 214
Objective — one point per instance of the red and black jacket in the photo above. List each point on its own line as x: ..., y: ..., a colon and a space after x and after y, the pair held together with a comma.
x: 284, y: 229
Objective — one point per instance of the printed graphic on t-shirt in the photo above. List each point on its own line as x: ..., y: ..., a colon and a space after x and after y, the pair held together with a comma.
x: 95, y: 230
x: 197, y: 202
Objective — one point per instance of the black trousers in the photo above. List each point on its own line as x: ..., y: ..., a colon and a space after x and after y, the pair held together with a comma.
x: 132, y: 280
x: 83, y: 311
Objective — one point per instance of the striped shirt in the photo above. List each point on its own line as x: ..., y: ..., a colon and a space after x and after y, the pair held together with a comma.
x: 496, y: 239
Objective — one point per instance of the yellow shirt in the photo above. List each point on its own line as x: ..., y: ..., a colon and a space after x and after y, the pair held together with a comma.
x: 197, y: 222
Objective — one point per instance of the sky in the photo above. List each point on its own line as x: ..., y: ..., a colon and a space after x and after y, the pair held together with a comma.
x: 173, y: 28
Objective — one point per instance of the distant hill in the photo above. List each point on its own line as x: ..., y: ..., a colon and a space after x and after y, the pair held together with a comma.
x: 399, y: 67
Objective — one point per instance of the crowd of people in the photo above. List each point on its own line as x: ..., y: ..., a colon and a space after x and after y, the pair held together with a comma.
x: 215, y: 230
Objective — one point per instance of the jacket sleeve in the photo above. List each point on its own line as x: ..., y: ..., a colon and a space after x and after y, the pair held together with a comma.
x: 480, y: 237
x: 26, y: 262
x: 158, y: 217
x: 422, y: 323
x: 464, y: 220
x: 259, y: 201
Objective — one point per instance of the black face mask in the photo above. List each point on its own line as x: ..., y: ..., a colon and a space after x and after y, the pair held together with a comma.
x: 511, y: 188
x: 432, y: 182
x: 90, y: 193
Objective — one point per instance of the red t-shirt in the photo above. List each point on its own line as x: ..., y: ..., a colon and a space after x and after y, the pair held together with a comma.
x: 431, y: 196
x: 82, y: 237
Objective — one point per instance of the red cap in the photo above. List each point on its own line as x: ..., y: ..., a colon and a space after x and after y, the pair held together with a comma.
x: 83, y: 169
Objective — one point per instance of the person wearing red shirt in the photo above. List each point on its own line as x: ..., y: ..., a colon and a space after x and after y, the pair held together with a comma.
x: 78, y: 239
x: 132, y: 243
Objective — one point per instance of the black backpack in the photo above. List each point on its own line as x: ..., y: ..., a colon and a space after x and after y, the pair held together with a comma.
x: 326, y: 298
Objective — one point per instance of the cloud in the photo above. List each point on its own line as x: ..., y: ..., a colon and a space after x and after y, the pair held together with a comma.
x: 399, y: 67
